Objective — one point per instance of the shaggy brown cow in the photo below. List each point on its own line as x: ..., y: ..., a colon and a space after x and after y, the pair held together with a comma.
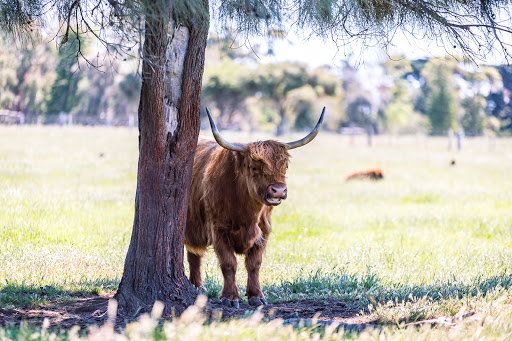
x: 234, y: 188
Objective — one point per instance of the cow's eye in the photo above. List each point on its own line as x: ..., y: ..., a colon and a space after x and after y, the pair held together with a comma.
x: 255, y: 170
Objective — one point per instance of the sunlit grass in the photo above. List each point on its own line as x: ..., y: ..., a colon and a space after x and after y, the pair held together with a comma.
x: 429, y: 231
x: 66, y: 203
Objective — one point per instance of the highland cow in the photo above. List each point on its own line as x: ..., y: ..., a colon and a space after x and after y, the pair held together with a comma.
x: 234, y: 189
x: 372, y: 174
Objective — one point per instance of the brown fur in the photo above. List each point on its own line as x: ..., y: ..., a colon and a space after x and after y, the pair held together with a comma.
x: 226, y: 209
x: 372, y: 174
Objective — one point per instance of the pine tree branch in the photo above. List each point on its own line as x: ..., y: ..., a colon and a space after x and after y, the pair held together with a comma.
x: 66, y: 35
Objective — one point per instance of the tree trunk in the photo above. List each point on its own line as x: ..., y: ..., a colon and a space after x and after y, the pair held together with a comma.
x: 282, y: 126
x: 169, y: 121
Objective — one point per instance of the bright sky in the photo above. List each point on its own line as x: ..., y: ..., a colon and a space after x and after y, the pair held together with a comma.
x: 317, y: 52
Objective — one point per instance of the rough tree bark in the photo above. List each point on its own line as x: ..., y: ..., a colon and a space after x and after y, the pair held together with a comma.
x: 169, y: 121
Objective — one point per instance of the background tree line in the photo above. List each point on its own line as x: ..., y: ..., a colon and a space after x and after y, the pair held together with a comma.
x: 401, y: 96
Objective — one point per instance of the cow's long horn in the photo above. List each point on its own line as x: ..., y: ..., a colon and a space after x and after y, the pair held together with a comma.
x: 238, y: 147
x: 309, y: 137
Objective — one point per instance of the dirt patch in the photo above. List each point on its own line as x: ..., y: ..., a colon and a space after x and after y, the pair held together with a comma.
x: 329, y: 309
x: 92, y: 311
x: 84, y: 312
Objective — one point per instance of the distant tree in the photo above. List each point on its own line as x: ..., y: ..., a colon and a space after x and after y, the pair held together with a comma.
x: 129, y: 87
x: 492, y: 126
x: 325, y: 82
x: 64, y: 95
x: 421, y: 93
x: 474, y: 118
x: 226, y: 46
x: 360, y: 105
x: 275, y: 81
x: 499, y: 104
x: 481, y: 83
x: 441, y: 96
x: 26, y: 75
x: 301, y: 101
x: 283, y: 84
x: 93, y: 93
x: 303, y: 104
x: 400, y: 116
x: 175, y: 35
x: 228, y: 85
x: 360, y: 111
x: 397, y: 67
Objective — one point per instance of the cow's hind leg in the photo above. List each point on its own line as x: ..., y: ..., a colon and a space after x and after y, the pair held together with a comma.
x: 252, y: 264
x: 194, y: 263
x: 227, y: 260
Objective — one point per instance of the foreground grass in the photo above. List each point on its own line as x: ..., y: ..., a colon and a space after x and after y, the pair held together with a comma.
x: 488, y: 321
x: 422, y: 243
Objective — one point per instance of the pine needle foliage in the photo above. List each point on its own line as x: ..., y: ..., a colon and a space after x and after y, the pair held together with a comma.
x: 473, y: 28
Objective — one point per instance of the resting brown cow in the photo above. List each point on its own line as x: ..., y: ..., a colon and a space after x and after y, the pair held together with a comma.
x: 234, y: 188
x: 372, y: 174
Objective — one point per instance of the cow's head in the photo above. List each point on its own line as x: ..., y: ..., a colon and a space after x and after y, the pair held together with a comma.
x: 263, y: 164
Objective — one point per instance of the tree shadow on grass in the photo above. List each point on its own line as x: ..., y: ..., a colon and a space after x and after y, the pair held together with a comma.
x: 88, y: 311
x: 341, y: 284
x: 88, y: 306
x: 363, y: 290
x: 23, y: 296
x: 337, y: 296
x: 84, y: 304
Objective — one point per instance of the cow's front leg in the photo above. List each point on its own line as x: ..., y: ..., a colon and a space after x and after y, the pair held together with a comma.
x: 227, y: 260
x: 252, y: 264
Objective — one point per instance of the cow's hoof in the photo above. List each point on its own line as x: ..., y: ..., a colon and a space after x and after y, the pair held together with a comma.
x: 257, y: 301
x: 230, y: 303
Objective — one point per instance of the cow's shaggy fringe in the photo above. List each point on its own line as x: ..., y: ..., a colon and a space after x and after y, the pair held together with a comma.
x: 276, y: 162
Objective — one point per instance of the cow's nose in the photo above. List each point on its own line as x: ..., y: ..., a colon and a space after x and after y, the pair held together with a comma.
x: 278, y: 190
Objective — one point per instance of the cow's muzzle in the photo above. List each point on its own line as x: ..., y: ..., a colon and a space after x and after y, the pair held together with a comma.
x: 275, y: 193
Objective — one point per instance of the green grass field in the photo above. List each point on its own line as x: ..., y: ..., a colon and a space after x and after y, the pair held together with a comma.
x: 429, y: 240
